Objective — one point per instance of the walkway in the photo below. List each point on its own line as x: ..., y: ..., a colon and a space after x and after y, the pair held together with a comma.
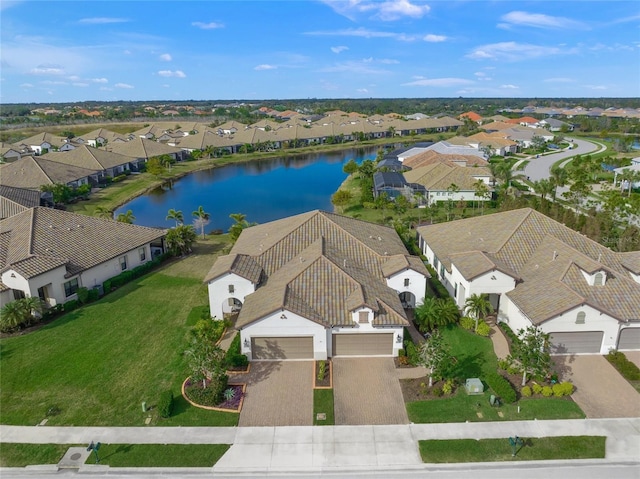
x: 500, y: 344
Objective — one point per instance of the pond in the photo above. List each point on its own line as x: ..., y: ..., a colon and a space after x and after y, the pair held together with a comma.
x: 263, y: 190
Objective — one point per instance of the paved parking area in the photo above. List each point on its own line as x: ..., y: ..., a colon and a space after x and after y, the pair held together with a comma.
x: 601, y: 392
x: 367, y: 391
x: 279, y: 393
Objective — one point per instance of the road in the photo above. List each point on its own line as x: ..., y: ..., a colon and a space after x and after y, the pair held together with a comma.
x: 538, y: 168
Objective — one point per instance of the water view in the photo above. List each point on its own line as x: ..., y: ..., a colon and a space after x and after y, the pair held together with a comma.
x: 263, y: 190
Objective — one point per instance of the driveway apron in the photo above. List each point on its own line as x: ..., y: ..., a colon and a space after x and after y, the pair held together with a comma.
x: 601, y: 392
x: 367, y: 391
x: 279, y: 393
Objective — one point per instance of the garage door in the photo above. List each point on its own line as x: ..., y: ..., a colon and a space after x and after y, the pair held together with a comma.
x: 629, y: 338
x: 585, y: 342
x: 363, y: 344
x: 282, y: 348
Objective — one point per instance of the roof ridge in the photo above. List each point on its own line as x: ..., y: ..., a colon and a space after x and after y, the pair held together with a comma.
x: 515, y: 229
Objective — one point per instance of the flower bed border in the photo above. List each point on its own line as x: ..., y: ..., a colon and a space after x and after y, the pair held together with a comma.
x: 238, y: 371
x: 315, y: 377
x: 213, y: 408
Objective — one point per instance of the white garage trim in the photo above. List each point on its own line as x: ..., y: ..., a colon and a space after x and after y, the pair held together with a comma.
x: 629, y: 339
x: 279, y: 348
x: 363, y: 344
x: 576, y: 342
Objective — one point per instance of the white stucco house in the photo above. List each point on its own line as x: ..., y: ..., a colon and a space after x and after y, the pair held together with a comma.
x: 317, y: 285
x: 537, y: 271
x: 51, y: 253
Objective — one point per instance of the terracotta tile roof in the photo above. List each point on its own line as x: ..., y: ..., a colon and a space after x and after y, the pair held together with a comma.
x: 322, y: 266
x: 472, y: 115
x: 43, y: 238
x: 550, y: 259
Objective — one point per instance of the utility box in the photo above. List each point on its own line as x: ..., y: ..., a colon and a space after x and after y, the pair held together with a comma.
x: 474, y: 386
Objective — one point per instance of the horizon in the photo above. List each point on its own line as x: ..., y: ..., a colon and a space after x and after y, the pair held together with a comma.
x: 257, y: 51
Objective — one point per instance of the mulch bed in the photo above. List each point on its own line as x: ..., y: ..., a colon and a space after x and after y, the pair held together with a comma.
x: 326, y: 382
x: 233, y: 404
x: 418, y: 389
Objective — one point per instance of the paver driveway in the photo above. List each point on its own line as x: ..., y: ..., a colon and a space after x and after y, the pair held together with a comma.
x: 600, y: 390
x: 279, y: 393
x: 367, y: 391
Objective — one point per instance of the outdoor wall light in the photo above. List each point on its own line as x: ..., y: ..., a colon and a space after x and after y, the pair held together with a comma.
x: 247, y: 344
x: 398, y: 339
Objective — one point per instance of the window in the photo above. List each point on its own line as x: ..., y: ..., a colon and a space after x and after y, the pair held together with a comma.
x: 580, y: 318
x: 70, y: 287
x: 363, y: 317
x: 406, y: 282
x: 123, y: 262
x: 435, y: 263
x: 442, y: 271
x: 232, y: 289
x: 18, y: 294
x: 598, y: 279
x: 143, y: 254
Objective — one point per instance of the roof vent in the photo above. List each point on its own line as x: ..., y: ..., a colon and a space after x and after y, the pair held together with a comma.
x: 555, y: 255
x: 379, y: 239
x: 344, y: 263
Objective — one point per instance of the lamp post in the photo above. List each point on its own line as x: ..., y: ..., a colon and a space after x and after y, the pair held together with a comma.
x: 94, y: 447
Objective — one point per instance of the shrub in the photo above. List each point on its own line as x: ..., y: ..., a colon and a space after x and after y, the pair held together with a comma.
x: 165, y: 404
x: 513, y: 369
x: 503, y: 388
x: 437, y: 391
x: 447, y: 387
x: 402, y: 353
x: 509, y: 332
x: 322, y: 365
x: 118, y: 178
x: 547, y: 391
x: 483, y: 329
x: 412, y: 353
x: 71, y: 305
x: 94, y: 294
x: 537, y: 389
x: 503, y: 364
x: 562, y: 389
x: 468, y: 323
x: 526, y: 391
x: 629, y: 370
x: 234, y: 357
x: 83, y: 295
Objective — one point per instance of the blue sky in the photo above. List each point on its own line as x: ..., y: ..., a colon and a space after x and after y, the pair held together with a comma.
x: 53, y: 51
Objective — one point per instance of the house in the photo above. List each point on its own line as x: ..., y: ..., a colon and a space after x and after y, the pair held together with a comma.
x: 317, y: 285
x: 34, y: 172
x: 16, y: 200
x: 42, y: 143
x: 472, y: 116
x: 624, y: 184
x: 538, y: 272
x: 51, y: 253
x: 106, y: 163
x: 9, y: 152
x: 553, y: 124
x: 139, y: 150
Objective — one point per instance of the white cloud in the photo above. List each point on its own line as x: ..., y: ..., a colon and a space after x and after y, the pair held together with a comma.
x: 513, y: 51
x: 509, y: 87
x: 264, y: 66
x: 365, y: 66
x: 207, y: 26
x: 558, y: 80
x: 102, y: 20
x: 339, y: 49
x: 80, y: 84
x: 539, y: 20
x: 388, y: 10
x: 165, y: 57
x: 123, y: 85
x: 170, y: 73
x: 434, y: 38
x: 53, y: 82
x: 47, y: 70
x: 482, y: 76
x: 364, y: 33
x: 26, y: 85
x: 362, y: 90
x: 99, y: 80
x: 439, y: 82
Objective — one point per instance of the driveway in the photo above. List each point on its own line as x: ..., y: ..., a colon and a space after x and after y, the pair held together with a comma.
x: 279, y: 393
x: 601, y: 392
x: 367, y: 391
x: 538, y: 168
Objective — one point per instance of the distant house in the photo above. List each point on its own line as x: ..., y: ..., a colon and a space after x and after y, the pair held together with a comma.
x: 553, y: 124
x: 16, y: 200
x: 317, y: 285
x: 106, y: 163
x: 43, y: 143
x: 538, y: 272
x: 34, y: 172
x: 9, y: 152
x: 471, y: 115
x: 49, y: 253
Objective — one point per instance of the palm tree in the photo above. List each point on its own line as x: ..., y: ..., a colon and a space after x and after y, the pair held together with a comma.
x: 103, y: 212
x: 126, y: 217
x: 477, y: 306
x: 11, y: 315
x: 175, y: 215
x: 435, y: 312
x: 559, y: 178
x: 543, y: 187
x: 201, y: 218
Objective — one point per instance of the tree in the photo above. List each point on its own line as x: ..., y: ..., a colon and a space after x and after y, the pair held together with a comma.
x: 559, y: 178
x: 531, y: 351
x: 435, y: 312
x: 201, y: 219
x: 103, y: 212
x: 434, y: 355
x: 477, y: 306
x: 180, y: 239
x: 61, y: 193
x: 19, y: 312
x: 240, y: 224
x: 205, y: 361
x: 155, y: 166
x: 451, y: 190
x: 543, y: 187
x: 126, y: 217
x: 350, y: 167
x: 341, y: 198
x: 481, y: 190
x: 538, y: 143
x: 175, y: 215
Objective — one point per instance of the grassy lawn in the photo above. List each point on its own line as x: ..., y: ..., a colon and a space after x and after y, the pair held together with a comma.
x: 21, y: 455
x: 96, y: 365
x: 498, y: 450
x: 323, y: 403
x: 474, y: 359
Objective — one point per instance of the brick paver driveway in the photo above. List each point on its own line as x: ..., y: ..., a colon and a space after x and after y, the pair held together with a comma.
x: 279, y: 393
x: 601, y: 391
x: 367, y: 391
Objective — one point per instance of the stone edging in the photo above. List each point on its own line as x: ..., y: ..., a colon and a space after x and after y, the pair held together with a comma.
x: 330, y: 386
x: 212, y: 408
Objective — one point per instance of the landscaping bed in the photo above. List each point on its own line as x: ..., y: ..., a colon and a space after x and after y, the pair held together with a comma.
x: 323, y: 375
x: 198, y: 395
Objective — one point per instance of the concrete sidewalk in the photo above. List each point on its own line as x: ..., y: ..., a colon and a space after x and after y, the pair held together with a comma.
x: 324, y: 448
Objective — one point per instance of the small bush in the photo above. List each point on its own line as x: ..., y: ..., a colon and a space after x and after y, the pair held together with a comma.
x: 437, y: 391
x: 483, y: 329
x: 468, y: 323
x: 412, y: 353
x: 513, y: 369
x: 322, y: 365
x: 447, y: 387
x: 503, y: 388
x: 562, y: 389
x: 83, y: 295
x: 537, y: 389
x: 402, y: 353
x: 165, y: 404
x: 627, y: 369
x: 234, y: 357
x: 71, y: 305
x: 547, y: 391
x: 118, y: 178
x: 526, y: 391
x: 503, y: 364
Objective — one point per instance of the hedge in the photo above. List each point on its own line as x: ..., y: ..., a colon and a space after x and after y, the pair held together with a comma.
x: 629, y: 370
x: 165, y: 404
x: 234, y: 357
x: 437, y: 286
x: 127, y: 276
x: 503, y: 388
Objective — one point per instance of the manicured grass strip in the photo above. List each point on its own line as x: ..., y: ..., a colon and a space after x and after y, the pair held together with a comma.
x: 160, y: 455
x: 323, y: 403
x: 21, y: 455
x: 498, y: 450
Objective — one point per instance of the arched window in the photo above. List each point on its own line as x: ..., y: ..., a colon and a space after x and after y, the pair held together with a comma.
x: 580, y: 318
x: 598, y: 279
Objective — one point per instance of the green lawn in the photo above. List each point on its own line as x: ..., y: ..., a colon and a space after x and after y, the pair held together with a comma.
x: 96, y: 365
x: 21, y: 455
x: 497, y: 450
x: 323, y: 403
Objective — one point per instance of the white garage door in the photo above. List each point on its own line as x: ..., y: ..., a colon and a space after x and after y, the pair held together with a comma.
x: 282, y: 348
x: 367, y: 344
x: 629, y: 338
x: 583, y: 342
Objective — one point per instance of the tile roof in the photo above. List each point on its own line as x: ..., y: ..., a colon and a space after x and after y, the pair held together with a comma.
x: 89, y: 158
x: 17, y: 200
x: 142, y: 148
x: 33, y: 172
x: 40, y: 239
x: 439, y: 176
x: 549, y: 258
x: 322, y: 266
